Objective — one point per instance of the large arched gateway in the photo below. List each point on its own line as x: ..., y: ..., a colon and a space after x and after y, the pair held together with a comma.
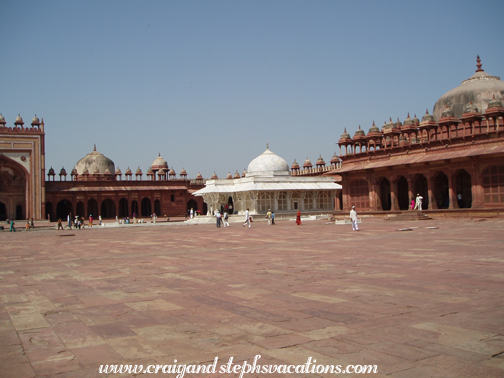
x: 13, y: 189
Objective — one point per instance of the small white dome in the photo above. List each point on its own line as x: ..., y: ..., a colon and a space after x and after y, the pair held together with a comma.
x: 268, y: 163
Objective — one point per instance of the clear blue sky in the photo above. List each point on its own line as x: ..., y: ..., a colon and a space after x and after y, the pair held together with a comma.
x: 208, y: 83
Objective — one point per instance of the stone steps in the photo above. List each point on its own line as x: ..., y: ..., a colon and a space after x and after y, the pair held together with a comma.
x: 408, y: 216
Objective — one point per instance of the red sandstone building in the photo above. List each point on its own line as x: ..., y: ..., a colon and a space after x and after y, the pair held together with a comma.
x: 94, y: 186
x: 454, y: 158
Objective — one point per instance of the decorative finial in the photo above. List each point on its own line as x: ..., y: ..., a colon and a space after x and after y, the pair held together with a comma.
x: 359, y: 129
x: 345, y: 129
x: 478, y: 64
x: 94, y: 149
x: 160, y: 154
x: 267, y: 145
x: 427, y: 111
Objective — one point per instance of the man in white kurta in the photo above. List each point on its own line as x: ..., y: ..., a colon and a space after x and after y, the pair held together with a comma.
x: 418, y: 202
x: 247, y: 218
x: 353, y: 217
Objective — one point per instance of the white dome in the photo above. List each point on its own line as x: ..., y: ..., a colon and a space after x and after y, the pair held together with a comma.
x: 268, y: 163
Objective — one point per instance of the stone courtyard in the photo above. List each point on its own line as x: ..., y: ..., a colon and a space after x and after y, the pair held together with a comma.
x: 428, y: 302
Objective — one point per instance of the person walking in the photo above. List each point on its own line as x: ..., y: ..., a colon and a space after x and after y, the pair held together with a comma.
x: 27, y: 224
x: 272, y: 218
x: 69, y: 220
x: 31, y: 223
x: 225, y: 219
x: 268, y: 215
x: 60, y: 224
x: 353, y: 217
x: 218, y: 216
x: 12, y: 228
x: 90, y: 220
x: 247, y: 218
x: 298, y: 218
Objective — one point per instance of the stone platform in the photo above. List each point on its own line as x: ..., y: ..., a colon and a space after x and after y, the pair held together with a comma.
x: 423, y: 303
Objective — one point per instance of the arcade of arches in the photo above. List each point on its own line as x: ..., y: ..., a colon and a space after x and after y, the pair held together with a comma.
x: 477, y: 186
x: 110, y: 203
x: 13, y: 190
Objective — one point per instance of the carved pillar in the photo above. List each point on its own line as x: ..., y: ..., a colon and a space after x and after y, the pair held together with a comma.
x: 431, y: 191
x: 373, y: 197
x: 451, y: 191
x: 394, y: 202
x: 411, y: 190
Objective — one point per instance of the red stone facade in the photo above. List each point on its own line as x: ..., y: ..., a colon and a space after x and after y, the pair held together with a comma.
x: 22, y: 170
x: 453, y: 163
x: 108, y: 197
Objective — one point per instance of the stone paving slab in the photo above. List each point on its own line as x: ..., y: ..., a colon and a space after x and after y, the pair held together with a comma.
x: 423, y: 303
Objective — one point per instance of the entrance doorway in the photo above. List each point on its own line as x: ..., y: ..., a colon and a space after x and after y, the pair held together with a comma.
x: 441, y: 191
x: 385, y: 194
x: 402, y: 193
x: 422, y: 188
x: 464, y: 189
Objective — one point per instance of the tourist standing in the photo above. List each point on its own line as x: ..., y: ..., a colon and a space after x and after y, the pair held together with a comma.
x: 353, y: 217
x: 31, y: 223
x: 272, y: 218
x: 247, y: 218
x: 298, y: 218
x: 418, y: 202
x: 268, y: 215
x: 90, y: 220
x: 27, y: 224
x: 218, y: 216
x: 60, y: 224
x: 69, y: 221
x: 191, y: 213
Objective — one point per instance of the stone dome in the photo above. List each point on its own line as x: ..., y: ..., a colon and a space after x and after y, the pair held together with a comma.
x: 479, y: 88
x: 494, y: 103
x: 374, y: 129
x: 95, y: 162
x: 295, y: 165
x: 229, y: 176
x: 408, y: 121
x: 128, y: 171
x: 159, y: 163
x: 359, y: 133
x: 307, y: 163
x: 183, y: 172
x: 35, y: 120
x: 199, y: 176
x: 345, y: 135
x: 19, y: 120
x: 427, y: 116
x: 448, y: 113
x: 51, y: 172
x: 268, y: 163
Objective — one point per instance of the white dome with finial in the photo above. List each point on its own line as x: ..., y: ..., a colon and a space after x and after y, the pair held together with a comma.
x: 268, y: 164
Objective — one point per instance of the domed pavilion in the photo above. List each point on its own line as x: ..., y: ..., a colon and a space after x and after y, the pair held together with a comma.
x: 268, y: 184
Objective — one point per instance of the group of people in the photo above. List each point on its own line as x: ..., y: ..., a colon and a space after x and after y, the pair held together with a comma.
x: 270, y: 215
x: 221, y: 218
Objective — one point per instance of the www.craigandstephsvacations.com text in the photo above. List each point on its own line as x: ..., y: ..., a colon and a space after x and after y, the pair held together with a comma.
x: 240, y: 369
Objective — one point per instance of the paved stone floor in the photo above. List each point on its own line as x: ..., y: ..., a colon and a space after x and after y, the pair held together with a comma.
x: 420, y: 303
